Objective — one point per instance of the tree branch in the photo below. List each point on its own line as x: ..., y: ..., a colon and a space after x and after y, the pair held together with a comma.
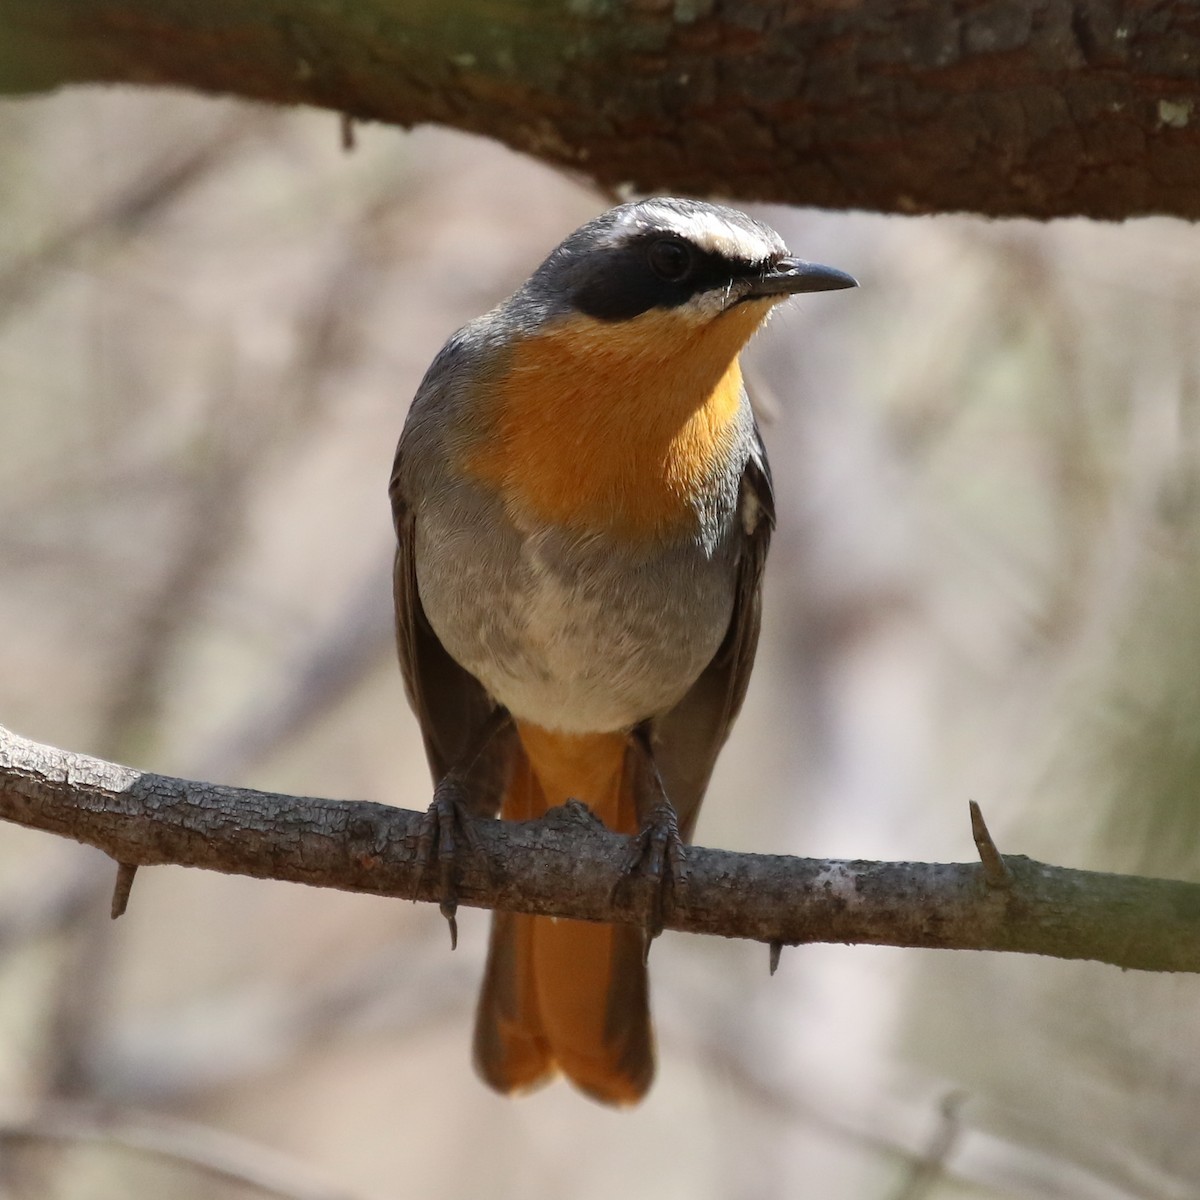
x: 1014, y: 107
x: 567, y: 864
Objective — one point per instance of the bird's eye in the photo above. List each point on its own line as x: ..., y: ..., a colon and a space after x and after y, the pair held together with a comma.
x: 670, y: 260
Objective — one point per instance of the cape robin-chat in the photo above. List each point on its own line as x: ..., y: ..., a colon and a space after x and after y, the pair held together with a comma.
x: 583, y: 507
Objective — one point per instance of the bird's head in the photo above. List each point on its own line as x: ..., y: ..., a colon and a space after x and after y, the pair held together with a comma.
x: 672, y: 264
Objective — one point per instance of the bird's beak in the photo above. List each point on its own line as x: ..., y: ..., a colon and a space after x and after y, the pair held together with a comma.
x: 789, y: 276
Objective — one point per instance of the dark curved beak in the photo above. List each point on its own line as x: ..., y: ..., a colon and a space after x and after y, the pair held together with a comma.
x: 789, y: 276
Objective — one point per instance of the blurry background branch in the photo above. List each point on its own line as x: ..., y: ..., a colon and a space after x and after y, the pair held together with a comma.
x: 1021, y: 108
x: 203, y: 1150
x: 565, y: 866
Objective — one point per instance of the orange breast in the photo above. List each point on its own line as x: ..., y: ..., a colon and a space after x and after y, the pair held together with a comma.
x: 616, y: 427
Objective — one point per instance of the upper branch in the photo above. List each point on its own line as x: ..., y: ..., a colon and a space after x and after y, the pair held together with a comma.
x: 1012, y: 107
x: 566, y: 865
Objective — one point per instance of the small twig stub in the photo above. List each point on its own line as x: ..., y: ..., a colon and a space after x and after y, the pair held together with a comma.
x: 121, y: 889
x: 995, y: 869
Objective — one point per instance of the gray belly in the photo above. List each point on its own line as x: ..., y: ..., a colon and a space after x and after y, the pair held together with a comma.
x: 571, y: 635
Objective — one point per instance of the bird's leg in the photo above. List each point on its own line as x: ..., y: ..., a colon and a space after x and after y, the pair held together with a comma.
x: 449, y: 822
x: 658, y: 853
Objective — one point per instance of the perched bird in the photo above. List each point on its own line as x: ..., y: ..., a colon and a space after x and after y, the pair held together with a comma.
x: 583, y: 507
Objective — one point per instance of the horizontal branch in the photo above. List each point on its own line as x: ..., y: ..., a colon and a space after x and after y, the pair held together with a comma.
x: 567, y: 864
x: 1022, y: 107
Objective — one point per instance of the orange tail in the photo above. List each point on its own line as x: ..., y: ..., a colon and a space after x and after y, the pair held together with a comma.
x: 563, y: 995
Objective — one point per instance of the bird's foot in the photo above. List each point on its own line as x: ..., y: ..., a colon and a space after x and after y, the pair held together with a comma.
x: 445, y: 827
x: 658, y: 856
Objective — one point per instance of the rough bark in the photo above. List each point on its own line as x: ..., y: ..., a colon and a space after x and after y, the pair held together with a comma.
x: 567, y: 865
x: 1006, y: 107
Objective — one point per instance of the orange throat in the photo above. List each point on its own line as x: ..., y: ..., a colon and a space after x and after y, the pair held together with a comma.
x: 617, y: 427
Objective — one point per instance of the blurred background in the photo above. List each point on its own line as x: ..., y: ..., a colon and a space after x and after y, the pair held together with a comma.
x: 983, y: 586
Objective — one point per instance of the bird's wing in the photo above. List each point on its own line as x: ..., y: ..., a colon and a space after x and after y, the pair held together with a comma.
x: 687, y: 739
x: 451, y: 705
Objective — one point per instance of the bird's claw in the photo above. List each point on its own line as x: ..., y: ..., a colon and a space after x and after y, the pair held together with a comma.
x: 657, y: 854
x: 446, y: 825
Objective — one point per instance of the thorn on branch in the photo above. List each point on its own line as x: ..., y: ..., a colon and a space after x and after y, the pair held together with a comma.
x: 995, y: 869
x: 776, y: 954
x: 122, y: 888
x: 347, y: 125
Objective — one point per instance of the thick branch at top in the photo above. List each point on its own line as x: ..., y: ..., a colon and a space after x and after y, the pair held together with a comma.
x: 1005, y: 107
x: 567, y: 864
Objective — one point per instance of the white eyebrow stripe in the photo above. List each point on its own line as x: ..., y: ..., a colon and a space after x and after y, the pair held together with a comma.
x: 709, y: 232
